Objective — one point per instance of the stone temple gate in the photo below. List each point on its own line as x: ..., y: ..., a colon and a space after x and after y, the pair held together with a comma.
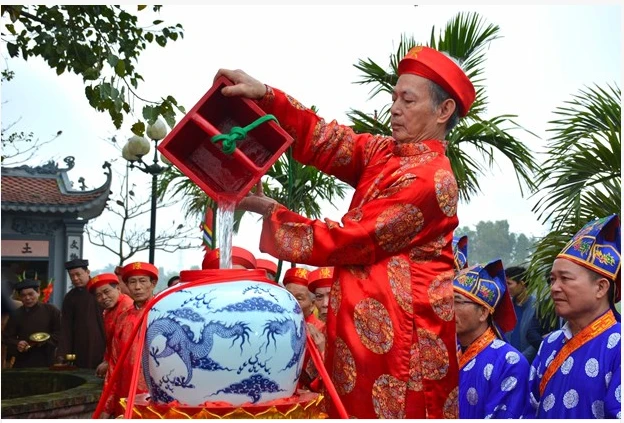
x: 43, y: 220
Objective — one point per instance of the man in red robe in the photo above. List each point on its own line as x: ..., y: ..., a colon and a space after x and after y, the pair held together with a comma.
x: 108, y: 294
x: 320, y: 284
x: 296, y: 282
x: 141, y: 279
x: 390, y: 326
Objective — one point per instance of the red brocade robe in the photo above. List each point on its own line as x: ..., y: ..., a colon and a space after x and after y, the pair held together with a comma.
x: 110, y: 324
x: 318, y: 323
x: 390, y: 327
x: 126, y: 322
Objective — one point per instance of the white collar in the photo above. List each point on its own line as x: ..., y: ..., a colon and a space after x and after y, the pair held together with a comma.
x: 567, y: 332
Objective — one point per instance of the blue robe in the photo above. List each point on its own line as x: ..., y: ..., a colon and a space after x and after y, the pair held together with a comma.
x: 494, y: 384
x: 586, y: 386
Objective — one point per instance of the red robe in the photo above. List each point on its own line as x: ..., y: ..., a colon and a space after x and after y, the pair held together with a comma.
x: 318, y: 323
x: 125, y: 326
x: 110, y: 323
x: 390, y: 326
x: 309, y: 367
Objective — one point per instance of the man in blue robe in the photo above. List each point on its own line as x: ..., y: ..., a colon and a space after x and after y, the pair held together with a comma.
x: 576, y: 373
x: 493, y: 375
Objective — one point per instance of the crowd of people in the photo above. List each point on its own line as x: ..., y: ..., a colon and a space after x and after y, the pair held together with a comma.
x: 407, y: 328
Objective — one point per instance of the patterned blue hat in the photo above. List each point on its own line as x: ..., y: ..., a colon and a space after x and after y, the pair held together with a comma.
x: 597, y: 247
x: 487, y: 286
x: 460, y: 252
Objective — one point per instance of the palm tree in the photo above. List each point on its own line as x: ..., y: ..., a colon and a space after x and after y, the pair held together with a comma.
x: 580, y: 179
x: 465, y: 38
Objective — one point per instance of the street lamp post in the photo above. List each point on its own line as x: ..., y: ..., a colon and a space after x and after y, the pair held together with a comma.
x: 133, y: 152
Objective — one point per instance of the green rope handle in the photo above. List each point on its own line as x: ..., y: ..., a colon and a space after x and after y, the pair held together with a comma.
x: 237, y: 133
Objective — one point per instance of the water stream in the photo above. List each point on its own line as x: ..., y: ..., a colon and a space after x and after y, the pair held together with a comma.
x: 225, y: 224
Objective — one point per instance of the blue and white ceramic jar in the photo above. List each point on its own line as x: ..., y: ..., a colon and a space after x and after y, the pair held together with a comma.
x: 240, y: 341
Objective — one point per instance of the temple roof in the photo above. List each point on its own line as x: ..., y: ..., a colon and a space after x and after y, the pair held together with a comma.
x: 47, y: 189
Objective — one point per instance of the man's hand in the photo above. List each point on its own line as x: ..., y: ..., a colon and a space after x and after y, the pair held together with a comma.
x: 23, y: 346
x: 244, y: 85
x: 101, y: 369
x: 317, y: 337
x: 257, y: 202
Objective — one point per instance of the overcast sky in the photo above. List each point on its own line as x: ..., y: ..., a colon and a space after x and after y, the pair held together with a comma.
x: 546, y: 54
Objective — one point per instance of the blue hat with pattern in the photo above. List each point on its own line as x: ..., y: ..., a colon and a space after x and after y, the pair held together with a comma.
x: 486, y: 285
x: 597, y: 247
x: 460, y: 252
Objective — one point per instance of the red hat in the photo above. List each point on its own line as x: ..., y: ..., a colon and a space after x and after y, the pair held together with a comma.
x: 240, y: 256
x: 139, y: 268
x: 296, y: 275
x: 436, y: 67
x: 268, y: 265
x: 322, y: 277
x: 101, y: 279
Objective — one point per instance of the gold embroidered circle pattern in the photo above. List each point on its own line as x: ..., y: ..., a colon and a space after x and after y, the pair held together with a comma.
x: 441, y: 295
x: 389, y: 397
x: 415, y: 371
x: 335, y: 296
x: 446, y: 192
x: 425, y: 252
x: 451, y: 406
x: 294, y: 241
x: 434, y: 357
x: 354, y: 215
x: 373, y: 325
x: 344, y: 371
x: 400, y: 283
x: 397, y: 225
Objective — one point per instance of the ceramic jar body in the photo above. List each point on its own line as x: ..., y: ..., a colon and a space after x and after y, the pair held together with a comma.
x: 238, y: 342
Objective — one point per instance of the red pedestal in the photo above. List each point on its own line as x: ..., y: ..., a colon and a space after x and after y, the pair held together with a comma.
x: 224, y: 177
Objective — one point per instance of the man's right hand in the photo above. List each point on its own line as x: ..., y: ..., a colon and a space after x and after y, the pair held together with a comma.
x: 244, y: 85
x: 101, y: 369
x: 23, y: 346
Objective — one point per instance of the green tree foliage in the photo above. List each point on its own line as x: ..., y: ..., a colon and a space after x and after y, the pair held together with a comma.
x: 100, y: 43
x: 490, y: 240
x: 581, y: 176
x: 466, y: 38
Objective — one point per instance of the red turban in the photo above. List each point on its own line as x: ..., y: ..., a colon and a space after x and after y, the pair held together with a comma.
x: 139, y: 268
x: 436, y: 67
x: 322, y: 277
x: 240, y: 256
x: 296, y: 275
x: 268, y: 265
x: 102, y: 279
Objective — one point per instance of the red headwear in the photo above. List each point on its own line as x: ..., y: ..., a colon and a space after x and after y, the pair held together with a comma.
x: 436, y: 67
x: 139, y: 268
x: 240, y: 256
x: 296, y: 275
x: 102, y: 279
x: 268, y: 265
x: 322, y: 277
